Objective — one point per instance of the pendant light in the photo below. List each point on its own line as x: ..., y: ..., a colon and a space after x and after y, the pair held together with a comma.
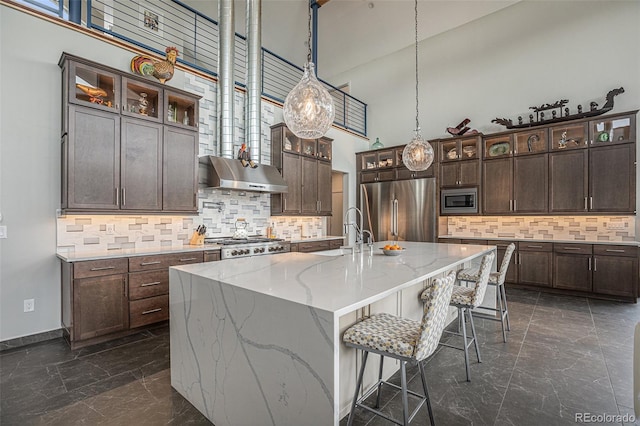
x: 418, y: 154
x: 308, y: 109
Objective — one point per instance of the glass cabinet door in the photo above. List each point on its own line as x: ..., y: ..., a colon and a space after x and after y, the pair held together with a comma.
x: 612, y: 130
x: 369, y: 161
x: 291, y: 142
x: 324, y: 149
x: 141, y: 100
x: 386, y: 158
x: 498, y: 146
x: 449, y: 151
x: 180, y: 110
x: 468, y: 149
x: 309, y: 147
x: 531, y: 142
x: 93, y: 87
x: 569, y: 136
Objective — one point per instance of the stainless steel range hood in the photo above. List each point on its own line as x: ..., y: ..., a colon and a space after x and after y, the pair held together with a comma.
x: 218, y: 172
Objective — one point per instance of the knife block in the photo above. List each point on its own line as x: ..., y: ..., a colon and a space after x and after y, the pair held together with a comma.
x: 196, y: 239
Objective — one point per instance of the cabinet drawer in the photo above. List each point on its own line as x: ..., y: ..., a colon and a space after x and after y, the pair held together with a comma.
x: 147, y: 284
x: 149, y: 310
x: 315, y: 246
x: 97, y: 268
x: 611, y: 250
x: 534, y: 246
x: 473, y: 241
x: 161, y: 261
x: 572, y: 248
x: 211, y: 256
x: 335, y: 244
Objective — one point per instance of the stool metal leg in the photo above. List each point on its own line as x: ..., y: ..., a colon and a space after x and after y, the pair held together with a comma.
x: 358, y: 385
x: 466, y: 349
x: 475, y: 336
x: 426, y: 393
x: 506, y: 309
x: 405, y: 401
x: 379, y: 382
x: 501, y: 312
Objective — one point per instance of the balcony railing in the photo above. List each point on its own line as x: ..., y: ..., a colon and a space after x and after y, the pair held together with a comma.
x: 161, y: 23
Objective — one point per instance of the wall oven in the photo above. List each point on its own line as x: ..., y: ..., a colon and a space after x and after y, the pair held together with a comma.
x: 459, y: 201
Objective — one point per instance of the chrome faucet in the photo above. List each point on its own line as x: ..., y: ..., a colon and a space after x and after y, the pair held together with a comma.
x: 358, y: 228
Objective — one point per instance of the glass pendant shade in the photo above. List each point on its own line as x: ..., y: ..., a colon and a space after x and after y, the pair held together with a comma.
x: 308, y: 109
x: 418, y: 154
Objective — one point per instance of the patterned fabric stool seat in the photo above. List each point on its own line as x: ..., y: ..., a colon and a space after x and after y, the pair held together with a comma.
x: 467, y: 298
x: 495, y: 279
x: 402, y: 339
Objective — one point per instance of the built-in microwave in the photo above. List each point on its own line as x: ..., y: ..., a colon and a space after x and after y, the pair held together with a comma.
x: 459, y: 201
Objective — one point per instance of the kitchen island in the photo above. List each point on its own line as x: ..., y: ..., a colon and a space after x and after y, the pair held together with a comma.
x: 258, y: 340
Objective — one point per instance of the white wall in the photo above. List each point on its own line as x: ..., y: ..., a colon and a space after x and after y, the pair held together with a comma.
x: 527, y: 54
x: 30, y: 108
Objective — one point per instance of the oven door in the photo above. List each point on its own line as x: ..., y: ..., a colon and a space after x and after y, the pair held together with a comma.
x: 459, y: 201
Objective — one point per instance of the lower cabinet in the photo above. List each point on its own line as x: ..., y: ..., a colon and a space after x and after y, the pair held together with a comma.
x: 311, y: 246
x: 534, y: 264
x: 110, y: 298
x: 572, y: 265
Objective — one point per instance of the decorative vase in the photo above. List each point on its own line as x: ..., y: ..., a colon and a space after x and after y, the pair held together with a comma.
x: 377, y: 144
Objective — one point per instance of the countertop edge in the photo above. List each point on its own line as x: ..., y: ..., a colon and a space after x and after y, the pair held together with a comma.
x: 492, y: 238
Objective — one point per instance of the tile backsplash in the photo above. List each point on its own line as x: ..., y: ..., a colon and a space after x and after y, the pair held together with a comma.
x: 218, y: 208
x: 578, y: 228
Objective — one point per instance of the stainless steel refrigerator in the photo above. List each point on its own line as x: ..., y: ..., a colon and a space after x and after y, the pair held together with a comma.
x: 400, y: 210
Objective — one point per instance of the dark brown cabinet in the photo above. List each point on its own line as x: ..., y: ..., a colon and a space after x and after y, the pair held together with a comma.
x: 534, y: 264
x: 572, y: 265
x: 117, y: 159
x: 615, y: 271
x: 612, y: 179
x: 318, y: 245
x: 497, y: 179
x: 568, y: 187
x: 459, y: 161
x: 179, y: 170
x: 305, y: 165
x: 106, y: 299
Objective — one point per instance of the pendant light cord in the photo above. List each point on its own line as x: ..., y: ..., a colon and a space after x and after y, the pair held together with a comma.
x: 309, y: 34
x: 416, y: 16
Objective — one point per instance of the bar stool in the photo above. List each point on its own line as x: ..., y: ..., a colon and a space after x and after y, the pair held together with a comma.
x: 465, y: 299
x: 405, y: 340
x: 496, y: 279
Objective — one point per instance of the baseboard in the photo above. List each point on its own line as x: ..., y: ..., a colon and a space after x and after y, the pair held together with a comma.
x: 28, y: 340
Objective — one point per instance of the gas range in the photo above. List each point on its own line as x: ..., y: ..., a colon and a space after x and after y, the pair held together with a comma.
x: 252, y: 246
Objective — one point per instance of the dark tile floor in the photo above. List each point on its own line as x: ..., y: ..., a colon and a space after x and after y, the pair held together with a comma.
x: 565, y: 355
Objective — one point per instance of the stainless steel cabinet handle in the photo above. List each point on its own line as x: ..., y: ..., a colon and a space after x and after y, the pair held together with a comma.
x: 514, y: 205
x: 589, y: 263
x: 188, y: 259
x: 591, y: 203
x: 510, y: 205
x: 156, y: 262
x: 104, y: 268
x: 571, y: 248
x: 285, y: 204
x: 536, y: 246
x: 151, y: 311
x: 595, y: 264
x: 615, y: 250
x: 124, y: 198
x: 117, y: 195
x: 150, y: 284
x: 585, y: 203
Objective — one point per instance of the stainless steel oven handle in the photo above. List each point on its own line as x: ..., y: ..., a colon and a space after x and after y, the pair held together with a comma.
x: 395, y: 217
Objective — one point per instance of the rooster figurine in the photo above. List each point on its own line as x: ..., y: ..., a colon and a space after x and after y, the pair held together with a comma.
x: 162, y: 70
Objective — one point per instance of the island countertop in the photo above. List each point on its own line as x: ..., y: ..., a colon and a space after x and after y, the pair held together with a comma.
x: 337, y: 284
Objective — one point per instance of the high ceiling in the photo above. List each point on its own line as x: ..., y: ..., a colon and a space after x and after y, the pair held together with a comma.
x: 354, y: 32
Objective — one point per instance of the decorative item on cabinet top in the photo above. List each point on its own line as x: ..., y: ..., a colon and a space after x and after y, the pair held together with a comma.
x: 562, y: 113
x: 462, y: 129
x: 160, y: 69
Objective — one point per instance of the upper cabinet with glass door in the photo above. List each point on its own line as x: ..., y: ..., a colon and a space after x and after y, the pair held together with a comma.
x: 180, y: 110
x: 612, y: 130
x: 92, y: 86
x: 498, y: 146
x: 324, y: 149
x: 458, y: 149
x: 141, y: 100
x: 531, y: 142
x: 568, y: 136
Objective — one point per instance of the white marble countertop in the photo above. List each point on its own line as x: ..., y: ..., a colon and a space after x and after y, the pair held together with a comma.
x: 73, y: 256
x: 493, y: 238
x: 337, y: 284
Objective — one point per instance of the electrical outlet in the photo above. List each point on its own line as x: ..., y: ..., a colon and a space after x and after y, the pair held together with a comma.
x: 3, y: 231
x: 111, y: 229
x: 29, y: 305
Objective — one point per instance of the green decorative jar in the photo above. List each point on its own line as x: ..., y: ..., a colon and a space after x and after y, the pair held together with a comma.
x: 377, y: 144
